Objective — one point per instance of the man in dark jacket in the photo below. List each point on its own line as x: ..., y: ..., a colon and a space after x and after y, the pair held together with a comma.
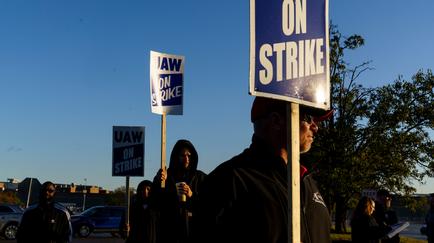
x: 429, y: 220
x: 384, y: 215
x: 47, y: 222
x: 176, y: 200
x: 245, y: 199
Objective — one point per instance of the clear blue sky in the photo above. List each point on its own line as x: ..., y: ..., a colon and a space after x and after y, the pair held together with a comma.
x: 70, y: 70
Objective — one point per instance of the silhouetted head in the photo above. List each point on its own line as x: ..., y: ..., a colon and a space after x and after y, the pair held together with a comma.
x: 46, y: 193
x: 184, y: 156
x: 143, y: 190
x: 270, y: 122
x: 366, y: 206
x: 384, y: 197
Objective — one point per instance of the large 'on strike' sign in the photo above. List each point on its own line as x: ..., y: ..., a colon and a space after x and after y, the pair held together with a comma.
x: 128, y: 151
x: 289, y: 51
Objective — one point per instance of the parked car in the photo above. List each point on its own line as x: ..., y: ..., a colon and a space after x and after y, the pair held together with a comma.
x: 98, y: 219
x: 10, y: 218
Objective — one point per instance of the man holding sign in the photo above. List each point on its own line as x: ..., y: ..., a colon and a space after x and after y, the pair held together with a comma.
x: 176, y: 200
x: 245, y: 199
x: 252, y: 197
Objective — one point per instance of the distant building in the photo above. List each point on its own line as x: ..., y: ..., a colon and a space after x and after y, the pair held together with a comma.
x: 71, y: 195
x: 72, y: 188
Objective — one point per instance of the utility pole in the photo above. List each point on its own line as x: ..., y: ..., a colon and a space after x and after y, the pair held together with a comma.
x: 84, y: 194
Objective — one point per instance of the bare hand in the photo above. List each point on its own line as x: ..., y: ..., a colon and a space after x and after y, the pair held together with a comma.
x: 184, y: 188
x: 162, y: 174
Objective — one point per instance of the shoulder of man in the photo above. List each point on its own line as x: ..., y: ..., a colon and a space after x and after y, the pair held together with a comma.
x: 226, y: 171
x: 224, y: 175
x: 240, y: 161
x: 200, y: 173
x: 32, y: 210
x: 62, y: 209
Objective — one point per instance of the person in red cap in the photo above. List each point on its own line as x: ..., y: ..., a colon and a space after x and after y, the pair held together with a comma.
x: 245, y: 199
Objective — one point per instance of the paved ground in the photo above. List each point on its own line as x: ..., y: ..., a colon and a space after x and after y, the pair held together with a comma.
x: 94, y: 238
x: 412, y: 231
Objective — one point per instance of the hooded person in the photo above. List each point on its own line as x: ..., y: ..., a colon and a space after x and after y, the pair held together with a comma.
x: 143, y: 216
x: 47, y: 221
x: 176, y: 200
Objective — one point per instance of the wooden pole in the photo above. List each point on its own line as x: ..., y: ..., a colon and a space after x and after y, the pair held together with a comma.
x: 293, y: 148
x: 163, y: 145
x: 127, y: 216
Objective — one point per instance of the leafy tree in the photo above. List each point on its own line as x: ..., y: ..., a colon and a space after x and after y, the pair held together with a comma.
x: 416, y: 207
x: 118, y: 196
x: 9, y: 197
x: 401, y: 122
x: 377, y: 138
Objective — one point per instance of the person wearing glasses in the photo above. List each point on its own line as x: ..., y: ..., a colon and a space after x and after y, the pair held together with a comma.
x: 245, y: 199
x: 47, y: 221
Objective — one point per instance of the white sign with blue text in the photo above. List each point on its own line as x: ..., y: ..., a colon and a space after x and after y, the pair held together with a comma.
x: 167, y: 79
x: 128, y: 151
x: 289, y: 57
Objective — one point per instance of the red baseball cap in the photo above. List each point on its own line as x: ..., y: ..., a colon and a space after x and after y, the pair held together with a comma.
x: 262, y: 106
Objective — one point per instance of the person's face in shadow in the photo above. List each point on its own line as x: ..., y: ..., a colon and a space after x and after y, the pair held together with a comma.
x: 146, y: 191
x: 48, y: 194
x: 184, y: 158
x: 308, y: 129
x: 388, y: 201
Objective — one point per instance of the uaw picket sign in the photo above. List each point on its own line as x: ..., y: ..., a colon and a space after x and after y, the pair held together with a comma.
x: 128, y: 150
x: 167, y: 77
x: 289, y: 57
x: 167, y: 91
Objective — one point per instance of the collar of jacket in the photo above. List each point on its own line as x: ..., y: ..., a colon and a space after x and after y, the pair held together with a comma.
x: 264, y: 152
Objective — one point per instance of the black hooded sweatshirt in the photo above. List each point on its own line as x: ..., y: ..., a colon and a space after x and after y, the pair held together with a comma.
x: 176, y: 215
x: 143, y: 217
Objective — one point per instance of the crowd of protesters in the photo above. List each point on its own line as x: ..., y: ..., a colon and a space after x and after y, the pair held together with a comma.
x: 244, y: 199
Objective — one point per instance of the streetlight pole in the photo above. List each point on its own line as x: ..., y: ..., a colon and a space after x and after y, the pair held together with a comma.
x: 29, y: 192
x: 84, y: 194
